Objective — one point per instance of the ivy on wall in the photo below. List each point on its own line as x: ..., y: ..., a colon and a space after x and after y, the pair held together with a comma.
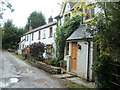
x: 63, y: 32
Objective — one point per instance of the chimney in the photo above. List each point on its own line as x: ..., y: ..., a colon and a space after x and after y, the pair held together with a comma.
x: 50, y: 19
x: 30, y: 28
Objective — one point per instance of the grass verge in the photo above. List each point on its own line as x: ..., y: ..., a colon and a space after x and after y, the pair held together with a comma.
x: 21, y: 57
x: 70, y: 84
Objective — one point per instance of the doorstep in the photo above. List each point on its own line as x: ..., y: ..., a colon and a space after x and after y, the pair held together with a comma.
x: 63, y: 76
x: 74, y: 79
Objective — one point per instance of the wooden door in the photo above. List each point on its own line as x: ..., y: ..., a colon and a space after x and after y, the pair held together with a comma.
x: 74, y: 57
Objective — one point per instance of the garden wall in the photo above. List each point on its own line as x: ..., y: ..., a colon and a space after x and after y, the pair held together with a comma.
x: 48, y: 68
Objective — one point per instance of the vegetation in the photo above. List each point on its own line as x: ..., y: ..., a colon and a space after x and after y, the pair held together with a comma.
x: 106, y: 38
x: 63, y: 32
x: 37, y: 50
x: 35, y: 20
x: 11, y: 35
x: 51, y: 62
x: 77, y: 86
x: 4, y: 4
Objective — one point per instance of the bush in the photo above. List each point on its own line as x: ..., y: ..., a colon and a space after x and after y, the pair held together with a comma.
x: 37, y: 50
x: 51, y: 62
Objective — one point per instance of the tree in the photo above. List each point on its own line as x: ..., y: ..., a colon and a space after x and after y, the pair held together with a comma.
x: 35, y: 20
x: 4, y: 4
x: 106, y: 37
x: 11, y: 35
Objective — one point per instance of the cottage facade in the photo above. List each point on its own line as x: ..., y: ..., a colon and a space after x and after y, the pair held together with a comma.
x: 44, y: 34
x: 79, y: 50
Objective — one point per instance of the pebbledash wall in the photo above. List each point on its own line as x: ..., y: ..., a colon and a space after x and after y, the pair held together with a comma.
x: 40, y: 34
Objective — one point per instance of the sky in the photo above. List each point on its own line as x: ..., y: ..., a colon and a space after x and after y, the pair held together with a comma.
x: 23, y: 8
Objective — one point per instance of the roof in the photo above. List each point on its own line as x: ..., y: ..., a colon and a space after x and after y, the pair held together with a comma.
x: 41, y: 27
x: 80, y: 33
x: 21, y: 41
x: 72, y: 4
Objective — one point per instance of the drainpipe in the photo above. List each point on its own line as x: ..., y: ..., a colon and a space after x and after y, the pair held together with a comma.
x: 88, y: 62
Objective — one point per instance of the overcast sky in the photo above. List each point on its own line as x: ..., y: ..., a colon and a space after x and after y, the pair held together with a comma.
x: 23, y: 8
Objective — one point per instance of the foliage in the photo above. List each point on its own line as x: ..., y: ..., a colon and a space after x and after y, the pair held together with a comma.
x: 11, y: 35
x: 4, y: 4
x: 35, y: 20
x: 106, y: 37
x: 51, y: 62
x: 63, y: 32
x: 37, y: 50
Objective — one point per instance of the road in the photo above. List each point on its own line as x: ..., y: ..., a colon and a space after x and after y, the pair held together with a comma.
x: 15, y: 73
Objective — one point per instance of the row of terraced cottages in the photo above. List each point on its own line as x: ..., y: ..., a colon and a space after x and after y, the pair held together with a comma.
x: 44, y: 34
x: 79, y: 51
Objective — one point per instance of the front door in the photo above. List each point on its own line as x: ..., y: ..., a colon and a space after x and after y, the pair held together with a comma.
x: 74, y: 57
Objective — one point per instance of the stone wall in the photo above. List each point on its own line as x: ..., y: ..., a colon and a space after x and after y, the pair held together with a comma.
x: 48, y: 68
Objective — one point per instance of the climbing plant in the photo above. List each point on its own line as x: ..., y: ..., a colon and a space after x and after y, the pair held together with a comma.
x: 63, y: 32
x: 106, y: 37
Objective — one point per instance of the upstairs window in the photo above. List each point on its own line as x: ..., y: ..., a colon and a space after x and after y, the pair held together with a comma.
x: 51, y: 32
x: 39, y: 35
x: 67, y: 17
x: 89, y: 13
x: 27, y: 37
x: 44, y: 35
x: 32, y: 36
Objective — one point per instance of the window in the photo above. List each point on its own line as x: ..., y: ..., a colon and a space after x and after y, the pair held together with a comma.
x: 89, y: 13
x: 27, y: 37
x: 50, y: 34
x: 49, y: 49
x: 32, y: 36
x: 44, y: 35
x: 67, y: 17
x: 67, y: 48
x: 39, y: 34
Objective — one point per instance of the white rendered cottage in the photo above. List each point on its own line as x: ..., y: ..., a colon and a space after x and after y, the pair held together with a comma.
x: 79, y: 50
x: 44, y: 34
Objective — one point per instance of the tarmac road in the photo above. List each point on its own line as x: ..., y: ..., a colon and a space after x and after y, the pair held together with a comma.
x: 15, y: 73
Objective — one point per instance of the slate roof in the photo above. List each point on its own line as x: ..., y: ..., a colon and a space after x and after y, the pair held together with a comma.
x: 72, y: 4
x: 80, y: 33
x: 41, y: 27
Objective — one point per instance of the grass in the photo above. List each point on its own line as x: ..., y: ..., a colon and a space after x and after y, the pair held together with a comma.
x: 19, y: 56
x: 73, y: 85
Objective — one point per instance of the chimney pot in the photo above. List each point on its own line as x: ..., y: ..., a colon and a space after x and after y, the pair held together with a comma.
x: 50, y: 19
x: 30, y: 28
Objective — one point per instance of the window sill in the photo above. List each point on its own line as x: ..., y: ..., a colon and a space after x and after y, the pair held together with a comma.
x: 67, y: 56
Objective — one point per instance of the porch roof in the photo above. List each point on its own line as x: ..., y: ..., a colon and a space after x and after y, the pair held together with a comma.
x: 80, y: 33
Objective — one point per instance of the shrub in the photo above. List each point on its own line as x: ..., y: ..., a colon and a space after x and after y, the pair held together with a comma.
x: 51, y: 62
x: 37, y: 50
